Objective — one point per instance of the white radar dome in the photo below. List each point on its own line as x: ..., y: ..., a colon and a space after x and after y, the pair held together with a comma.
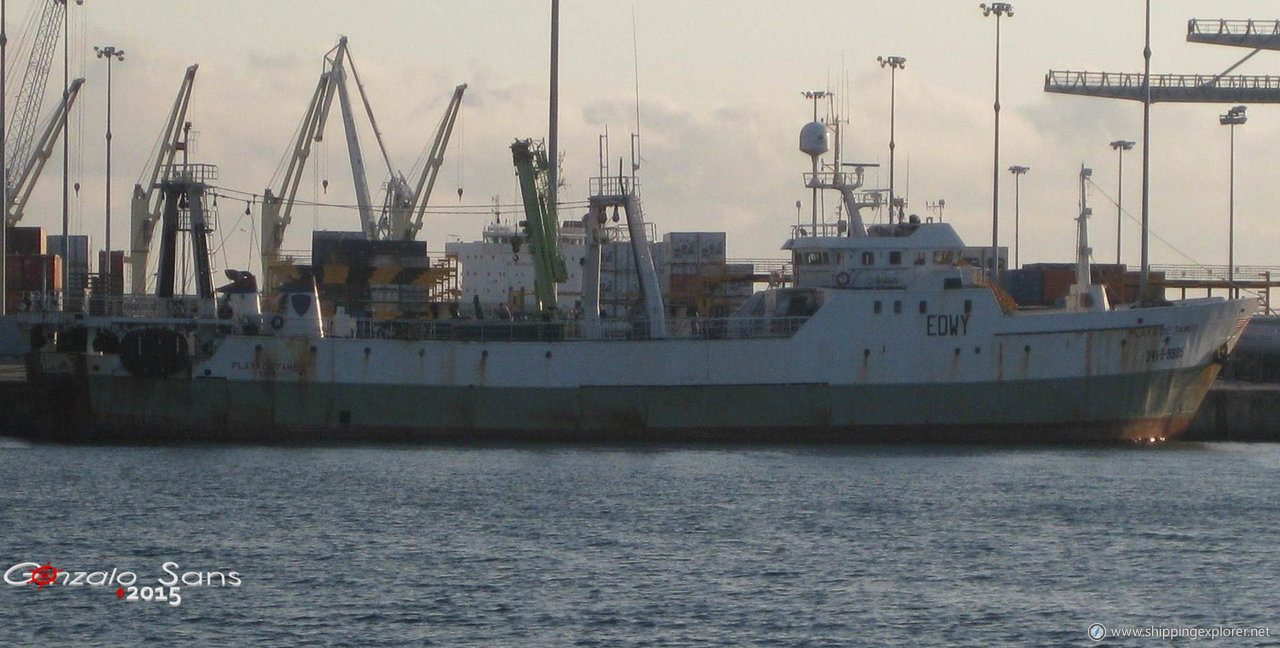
x: 813, y: 139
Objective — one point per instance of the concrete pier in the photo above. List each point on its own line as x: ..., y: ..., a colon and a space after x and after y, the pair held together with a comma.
x: 19, y: 401
x: 1238, y: 411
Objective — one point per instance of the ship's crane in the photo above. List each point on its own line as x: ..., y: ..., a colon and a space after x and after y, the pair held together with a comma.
x: 26, y: 181
x: 540, y: 223
x: 404, y: 204
x: 26, y: 111
x: 148, y: 201
x: 277, y: 207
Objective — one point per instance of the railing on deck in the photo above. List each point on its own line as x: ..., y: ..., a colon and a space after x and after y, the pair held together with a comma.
x: 532, y: 331
x: 150, y: 306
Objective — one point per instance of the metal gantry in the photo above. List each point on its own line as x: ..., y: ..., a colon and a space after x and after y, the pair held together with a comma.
x: 1187, y: 88
x: 1167, y: 88
x: 1257, y: 34
x: 1181, y: 88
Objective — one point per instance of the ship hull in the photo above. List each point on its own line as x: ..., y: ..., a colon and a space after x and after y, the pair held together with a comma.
x: 988, y: 377
x: 1099, y: 409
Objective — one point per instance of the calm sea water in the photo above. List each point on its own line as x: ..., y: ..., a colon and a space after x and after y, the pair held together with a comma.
x: 678, y: 546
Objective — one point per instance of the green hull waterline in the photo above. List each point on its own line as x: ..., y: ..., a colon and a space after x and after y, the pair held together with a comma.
x: 1135, y: 406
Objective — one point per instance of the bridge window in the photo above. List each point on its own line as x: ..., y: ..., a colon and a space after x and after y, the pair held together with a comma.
x: 868, y: 258
x: 924, y: 307
x: 895, y: 258
x: 920, y: 258
x: 943, y: 257
x: 876, y: 308
x: 897, y: 307
x: 968, y: 306
x: 813, y: 258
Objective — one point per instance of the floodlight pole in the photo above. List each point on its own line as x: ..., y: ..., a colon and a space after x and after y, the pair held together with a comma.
x: 1017, y: 172
x: 999, y: 9
x: 894, y: 63
x: 1233, y: 118
x: 1121, y: 146
x: 109, y: 52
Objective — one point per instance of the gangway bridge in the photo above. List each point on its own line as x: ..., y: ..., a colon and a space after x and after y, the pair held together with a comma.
x: 1258, y: 34
x: 1188, y: 88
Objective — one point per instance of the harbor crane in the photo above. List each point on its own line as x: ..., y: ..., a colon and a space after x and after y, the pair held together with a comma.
x: 277, y: 207
x: 26, y: 111
x: 402, y: 216
x: 43, y: 31
x: 26, y: 179
x: 148, y: 201
x: 403, y: 203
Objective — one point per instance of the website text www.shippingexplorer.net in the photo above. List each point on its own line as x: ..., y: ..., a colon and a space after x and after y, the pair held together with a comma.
x: 1098, y: 632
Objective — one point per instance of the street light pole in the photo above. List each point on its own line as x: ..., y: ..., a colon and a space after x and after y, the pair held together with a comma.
x: 894, y: 63
x: 1121, y: 146
x: 1233, y: 118
x: 1017, y: 172
x: 109, y: 52
x: 999, y: 9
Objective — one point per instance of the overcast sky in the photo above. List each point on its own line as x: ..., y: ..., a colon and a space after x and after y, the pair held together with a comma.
x: 720, y: 107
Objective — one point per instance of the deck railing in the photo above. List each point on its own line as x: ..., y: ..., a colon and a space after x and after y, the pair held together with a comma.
x: 534, y: 331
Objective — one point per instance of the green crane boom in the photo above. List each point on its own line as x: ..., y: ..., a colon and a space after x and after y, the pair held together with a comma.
x: 541, y: 226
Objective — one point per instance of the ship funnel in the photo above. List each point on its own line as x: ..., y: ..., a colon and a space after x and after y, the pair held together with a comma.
x: 299, y: 310
x: 240, y: 301
x: 814, y: 139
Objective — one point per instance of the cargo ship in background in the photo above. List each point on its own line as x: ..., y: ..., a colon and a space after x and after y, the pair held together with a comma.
x: 880, y: 333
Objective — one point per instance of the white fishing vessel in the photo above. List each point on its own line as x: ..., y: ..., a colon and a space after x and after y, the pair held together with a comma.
x: 883, y: 333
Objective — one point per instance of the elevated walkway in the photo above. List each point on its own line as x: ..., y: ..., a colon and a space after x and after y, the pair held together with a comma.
x: 1180, y: 88
x: 1255, y: 34
x: 1187, y: 88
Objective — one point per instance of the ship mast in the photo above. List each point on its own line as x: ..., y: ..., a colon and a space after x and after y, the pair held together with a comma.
x: 1084, y: 295
x: 814, y: 142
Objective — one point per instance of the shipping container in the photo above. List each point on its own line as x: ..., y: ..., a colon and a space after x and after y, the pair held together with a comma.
x: 687, y: 286
x: 659, y: 252
x: 684, y: 269
x: 711, y: 247
x: 1113, y: 276
x: 41, y: 272
x: 351, y: 248
x: 26, y: 240
x: 682, y: 247
x: 116, y: 268
x: 1025, y: 285
x: 77, y: 252
x: 1056, y: 280
x: 13, y: 267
